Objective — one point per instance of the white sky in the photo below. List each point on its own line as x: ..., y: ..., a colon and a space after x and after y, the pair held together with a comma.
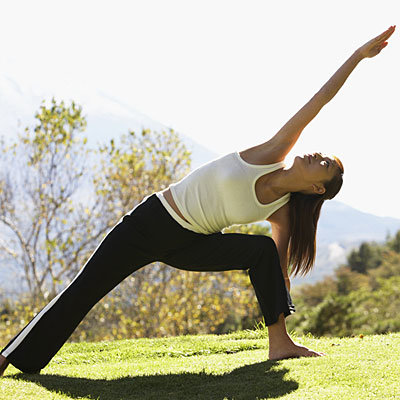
x: 228, y: 74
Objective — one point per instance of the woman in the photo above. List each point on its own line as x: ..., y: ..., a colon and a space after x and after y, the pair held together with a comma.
x: 238, y: 188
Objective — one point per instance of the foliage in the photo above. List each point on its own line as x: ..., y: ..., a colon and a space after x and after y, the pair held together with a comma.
x: 46, y: 230
x: 362, y: 297
x: 365, y: 258
x: 135, y: 166
x: 394, y: 243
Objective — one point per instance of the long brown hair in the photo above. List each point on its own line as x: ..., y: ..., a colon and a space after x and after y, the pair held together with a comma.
x: 304, y: 214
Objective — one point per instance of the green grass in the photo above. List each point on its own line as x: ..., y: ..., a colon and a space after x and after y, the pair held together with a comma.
x: 209, y: 367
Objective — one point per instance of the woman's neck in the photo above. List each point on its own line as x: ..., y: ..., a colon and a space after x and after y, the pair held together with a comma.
x: 284, y: 181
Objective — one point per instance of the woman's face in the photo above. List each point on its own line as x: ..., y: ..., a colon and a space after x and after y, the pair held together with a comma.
x: 316, y: 169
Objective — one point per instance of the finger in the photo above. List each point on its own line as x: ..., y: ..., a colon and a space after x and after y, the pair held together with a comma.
x: 386, y: 34
x: 390, y: 33
x: 380, y: 42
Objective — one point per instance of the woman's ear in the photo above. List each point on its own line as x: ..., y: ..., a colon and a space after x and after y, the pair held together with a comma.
x: 318, y: 188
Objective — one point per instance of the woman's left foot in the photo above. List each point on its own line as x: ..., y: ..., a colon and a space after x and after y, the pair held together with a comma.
x: 293, y: 351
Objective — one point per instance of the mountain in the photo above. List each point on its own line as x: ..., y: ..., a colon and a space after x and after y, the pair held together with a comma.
x: 107, y: 117
x: 340, y: 229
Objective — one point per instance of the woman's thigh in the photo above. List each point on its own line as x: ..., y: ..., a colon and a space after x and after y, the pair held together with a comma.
x: 222, y: 252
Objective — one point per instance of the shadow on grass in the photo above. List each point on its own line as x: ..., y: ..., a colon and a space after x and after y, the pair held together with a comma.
x: 249, y: 382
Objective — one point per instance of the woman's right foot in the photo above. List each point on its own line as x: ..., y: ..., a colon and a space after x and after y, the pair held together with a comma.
x: 3, y: 364
x: 282, y: 346
x: 292, y: 351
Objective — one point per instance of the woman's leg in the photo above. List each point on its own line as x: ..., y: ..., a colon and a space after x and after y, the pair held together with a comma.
x: 258, y: 254
x: 116, y: 257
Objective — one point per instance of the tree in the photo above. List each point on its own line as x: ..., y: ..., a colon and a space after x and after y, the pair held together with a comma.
x: 394, y: 243
x: 46, y: 229
x: 137, y: 165
x: 348, y: 280
x: 366, y: 257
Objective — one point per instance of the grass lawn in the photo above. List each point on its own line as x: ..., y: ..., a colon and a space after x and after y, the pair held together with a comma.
x: 211, y: 367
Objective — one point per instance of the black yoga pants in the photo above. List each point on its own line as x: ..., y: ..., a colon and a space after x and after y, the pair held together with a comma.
x: 146, y: 234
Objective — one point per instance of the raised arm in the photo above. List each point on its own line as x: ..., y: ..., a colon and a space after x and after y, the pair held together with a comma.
x: 282, y: 142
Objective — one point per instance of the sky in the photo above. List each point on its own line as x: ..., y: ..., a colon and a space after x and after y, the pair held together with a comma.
x: 228, y: 74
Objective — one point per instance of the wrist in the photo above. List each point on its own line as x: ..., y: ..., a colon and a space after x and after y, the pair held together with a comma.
x: 358, y: 56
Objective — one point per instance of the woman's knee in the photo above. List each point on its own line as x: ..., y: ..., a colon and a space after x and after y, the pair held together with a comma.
x: 266, y: 242
x: 268, y: 248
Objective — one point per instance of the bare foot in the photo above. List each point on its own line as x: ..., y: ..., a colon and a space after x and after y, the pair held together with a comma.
x: 3, y: 364
x: 292, y: 351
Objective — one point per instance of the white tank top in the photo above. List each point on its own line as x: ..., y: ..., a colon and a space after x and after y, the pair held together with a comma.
x: 221, y: 193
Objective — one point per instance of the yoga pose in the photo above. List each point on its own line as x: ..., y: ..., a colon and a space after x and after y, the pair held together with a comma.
x: 181, y: 226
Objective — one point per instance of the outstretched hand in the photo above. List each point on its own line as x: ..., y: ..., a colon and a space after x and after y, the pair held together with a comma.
x: 374, y: 46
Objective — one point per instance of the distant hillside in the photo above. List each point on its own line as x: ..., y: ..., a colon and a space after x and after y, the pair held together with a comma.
x: 346, y: 224
x: 106, y: 116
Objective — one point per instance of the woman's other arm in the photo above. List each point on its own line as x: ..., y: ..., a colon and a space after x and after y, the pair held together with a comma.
x: 280, y: 234
x: 282, y: 142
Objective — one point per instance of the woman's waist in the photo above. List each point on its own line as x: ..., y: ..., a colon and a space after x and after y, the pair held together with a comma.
x: 193, y: 222
x: 170, y: 200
